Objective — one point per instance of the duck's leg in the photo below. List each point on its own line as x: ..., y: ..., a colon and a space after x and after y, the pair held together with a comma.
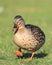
x: 28, y: 59
x: 32, y: 55
x: 18, y: 52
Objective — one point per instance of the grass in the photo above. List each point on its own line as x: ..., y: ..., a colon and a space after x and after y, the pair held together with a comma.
x: 37, y: 12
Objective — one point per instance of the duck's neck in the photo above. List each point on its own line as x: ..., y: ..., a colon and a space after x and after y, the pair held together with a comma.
x: 21, y: 29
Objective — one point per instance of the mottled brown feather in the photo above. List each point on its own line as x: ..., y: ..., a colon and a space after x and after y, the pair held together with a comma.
x: 27, y: 36
x: 38, y: 34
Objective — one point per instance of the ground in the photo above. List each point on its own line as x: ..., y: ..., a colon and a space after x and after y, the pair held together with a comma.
x: 37, y: 12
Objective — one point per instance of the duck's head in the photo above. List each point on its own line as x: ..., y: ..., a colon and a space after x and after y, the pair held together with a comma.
x: 18, y: 23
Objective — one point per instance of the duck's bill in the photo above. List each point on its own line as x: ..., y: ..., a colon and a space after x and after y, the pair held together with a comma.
x: 14, y: 28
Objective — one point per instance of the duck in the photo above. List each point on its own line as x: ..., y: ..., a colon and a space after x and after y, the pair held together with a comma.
x: 27, y: 36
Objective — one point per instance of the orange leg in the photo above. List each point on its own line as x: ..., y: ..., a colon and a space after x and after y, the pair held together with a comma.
x: 18, y: 52
x: 32, y: 55
x: 28, y: 59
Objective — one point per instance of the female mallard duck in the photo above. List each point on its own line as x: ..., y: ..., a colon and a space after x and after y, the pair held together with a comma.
x: 28, y: 37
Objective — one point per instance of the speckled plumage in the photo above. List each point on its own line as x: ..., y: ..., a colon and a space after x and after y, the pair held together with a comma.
x: 38, y: 35
x: 28, y: 36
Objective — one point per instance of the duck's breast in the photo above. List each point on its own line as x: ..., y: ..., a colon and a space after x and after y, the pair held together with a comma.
x: 25, y: 40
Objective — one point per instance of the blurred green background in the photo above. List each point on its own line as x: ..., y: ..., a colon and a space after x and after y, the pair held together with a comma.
x: 37, y: 12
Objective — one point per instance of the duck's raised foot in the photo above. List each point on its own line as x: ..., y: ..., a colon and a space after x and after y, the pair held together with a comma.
x: 18, y: 53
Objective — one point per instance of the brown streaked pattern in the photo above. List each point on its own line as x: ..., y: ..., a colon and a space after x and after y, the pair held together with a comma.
x: 28, y: 36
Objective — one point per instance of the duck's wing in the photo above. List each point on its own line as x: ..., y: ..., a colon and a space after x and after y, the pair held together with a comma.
x: 37, y: 32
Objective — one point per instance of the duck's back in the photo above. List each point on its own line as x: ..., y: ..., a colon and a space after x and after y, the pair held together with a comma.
x: 38, y: 34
